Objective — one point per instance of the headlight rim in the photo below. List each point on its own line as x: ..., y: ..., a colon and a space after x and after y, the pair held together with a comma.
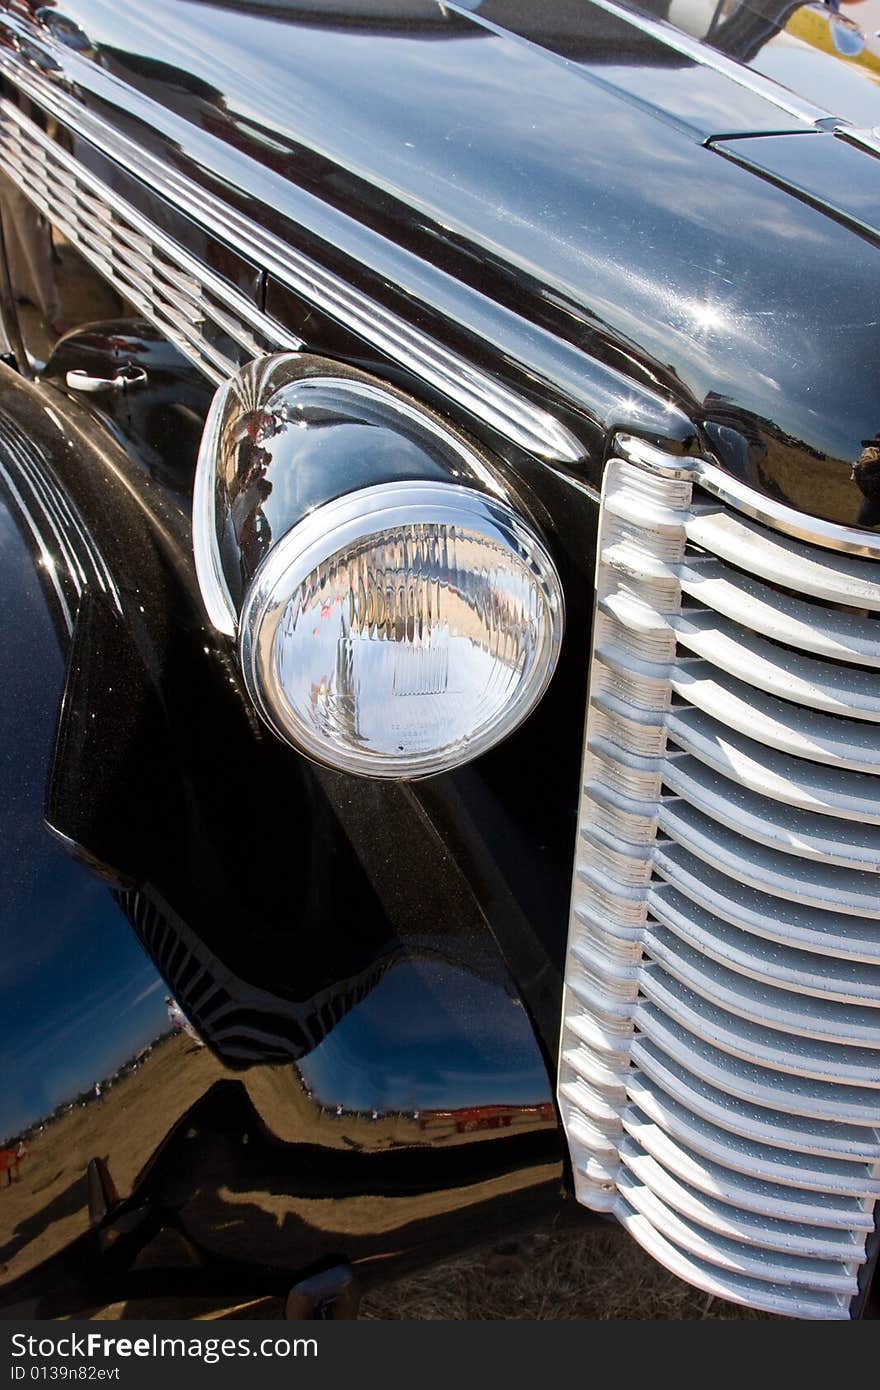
x: 347, y: 519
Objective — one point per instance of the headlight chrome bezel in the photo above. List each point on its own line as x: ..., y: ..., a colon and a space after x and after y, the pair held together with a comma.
x: 283, y: 496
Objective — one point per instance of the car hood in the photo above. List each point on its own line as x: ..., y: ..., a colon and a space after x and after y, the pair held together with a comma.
x: 597, y: 175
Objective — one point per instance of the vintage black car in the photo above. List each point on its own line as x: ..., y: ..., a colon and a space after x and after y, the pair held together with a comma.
x: 388, y: 386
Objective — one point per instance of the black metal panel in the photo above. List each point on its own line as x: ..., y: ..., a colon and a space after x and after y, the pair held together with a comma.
x: 583, y: 224
x: 334, y: 943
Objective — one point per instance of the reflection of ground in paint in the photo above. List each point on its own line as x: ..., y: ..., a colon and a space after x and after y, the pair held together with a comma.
x: 567, y: 1275
x: 47, y: 1206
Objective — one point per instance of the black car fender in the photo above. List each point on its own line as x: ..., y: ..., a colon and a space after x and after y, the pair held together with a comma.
x: 163, y: 842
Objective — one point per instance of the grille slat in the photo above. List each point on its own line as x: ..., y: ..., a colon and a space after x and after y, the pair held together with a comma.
x: 738, y: 1222
x: 777, y: 615
x: 790, y: 1051
x: 206, y: 318
x: 827, y: 933
x: 810, y: 835
x: 707, y: 1275
x: 720, y: 1059
x: 778, y: 670
x: 747, y: 861
x: 791, y: 564
x: 794, y: 782
x: 732, y: 1254
x: 762, y: 960
x: 750, y: 1193
x: 751, y: 1118
x: 804, y: 1014
x: 750, y: 1073
x: 737, y: 1154
x: 805, y: 733
x: 624, y: 783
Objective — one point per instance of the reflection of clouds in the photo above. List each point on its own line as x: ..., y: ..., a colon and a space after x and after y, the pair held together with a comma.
x: 144, y: 994
x: 846, y: 88
x: 77, y: 1018
x: 696, y: 95
x: 75, y: 1037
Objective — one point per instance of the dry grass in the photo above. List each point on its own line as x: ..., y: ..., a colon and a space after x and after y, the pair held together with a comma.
x: 599, y: 1274
x: 47, y: 1207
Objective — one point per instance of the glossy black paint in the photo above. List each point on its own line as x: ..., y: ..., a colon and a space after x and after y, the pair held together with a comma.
x: 831, y: 173
x: 160, y: 422
x: 588, y: 223
x: 384, y: 949
x: 340, y: 947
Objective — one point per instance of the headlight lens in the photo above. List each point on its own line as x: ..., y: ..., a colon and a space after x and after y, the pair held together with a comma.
x: 402, y: 629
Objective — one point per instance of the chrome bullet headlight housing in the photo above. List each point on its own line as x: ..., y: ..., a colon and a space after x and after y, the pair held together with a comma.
x: 398, y: 628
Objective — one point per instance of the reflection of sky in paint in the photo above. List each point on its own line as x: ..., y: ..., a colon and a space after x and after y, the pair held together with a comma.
x: 88, y: 1003
x: 437, y: 1038
x: 78, y: 996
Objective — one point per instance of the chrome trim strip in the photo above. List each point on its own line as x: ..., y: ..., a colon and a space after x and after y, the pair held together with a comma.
x: 867, y: 139
x: 476, y: 391
x: 46, y: 558
x: 157, y: 290
x: 745, y: 499
x: 37, y: 495
x: 708, y: 57
x: 209, y: 571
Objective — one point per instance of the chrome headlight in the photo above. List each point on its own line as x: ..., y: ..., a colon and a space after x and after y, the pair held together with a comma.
x: 396, y: 616
x: 402, y: 629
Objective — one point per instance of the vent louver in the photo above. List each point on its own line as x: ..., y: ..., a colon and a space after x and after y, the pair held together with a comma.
x: 720, y: 1060
x: 210, y: 321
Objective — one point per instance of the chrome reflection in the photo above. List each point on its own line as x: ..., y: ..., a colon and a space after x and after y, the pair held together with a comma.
x: 69, y: 560
x: 477, y: 391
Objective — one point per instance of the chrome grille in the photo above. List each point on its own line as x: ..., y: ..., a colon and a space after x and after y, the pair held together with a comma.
x: 720, y: 1060
x: 210, y: 321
